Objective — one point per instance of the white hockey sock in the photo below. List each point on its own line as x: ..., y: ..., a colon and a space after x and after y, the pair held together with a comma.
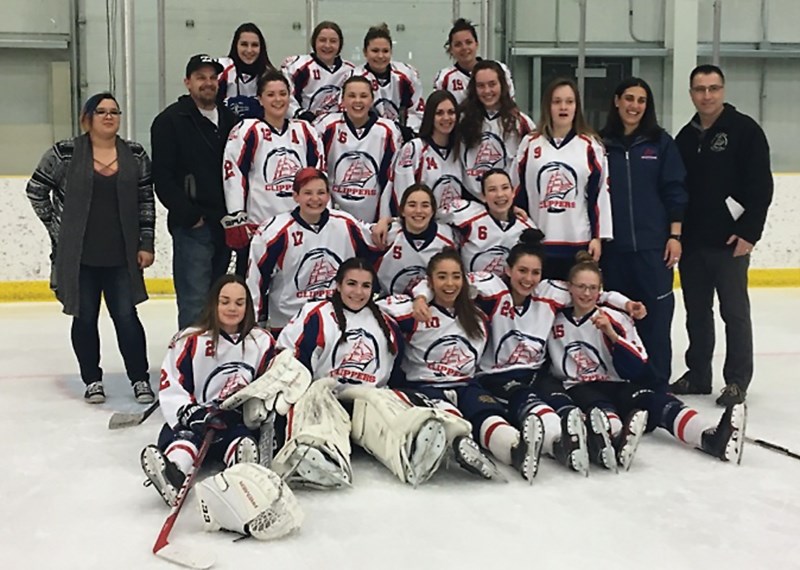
x: 499, y: 437
x: 616, y: 423
x: 689, y: 427
x: 182, y: 453
x: 230, y: 454
x: 552, y: 426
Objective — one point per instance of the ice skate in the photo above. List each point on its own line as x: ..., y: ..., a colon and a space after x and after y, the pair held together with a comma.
x: 601, y: 450
x: 571, y: 449
x: 162, y: 474
x: 314, y: 467
x: 727, y: 439
x: 472, y: 458
x: 627, y: 442
x: 246, y: 451
x: 525, y: 455
x: 427, y: 450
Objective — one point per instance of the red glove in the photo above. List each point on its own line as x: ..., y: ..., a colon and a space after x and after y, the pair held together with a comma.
x: 238, y: 230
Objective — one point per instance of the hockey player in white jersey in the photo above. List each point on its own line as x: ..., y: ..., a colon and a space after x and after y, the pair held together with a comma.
x: 489, y: 229
x: 396, y: 85
x: 600, y: 359
x: 294, y: 256
x: 247, y: 60
x: 562, y: 174
x: 261, y: 159
x: 359, y: 150
x: 462, y: 46
x: 316, y: 79
x: 492, y: 125
x: 412, y: 242
x: 432, y: 159
x: 440, y: 364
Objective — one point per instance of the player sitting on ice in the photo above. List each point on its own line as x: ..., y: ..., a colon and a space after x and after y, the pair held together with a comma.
x: 217, y: 360
x: 351, y: 347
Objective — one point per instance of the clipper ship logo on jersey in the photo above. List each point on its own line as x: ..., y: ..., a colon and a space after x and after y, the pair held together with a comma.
x: 361, y: 359
x: 493, y: 260
x: 555, y: 182
x: 407, y: 279
x: 279, y: 170
x: 227, y: 380
x: 325, y: 99
x: 447, y: 190
x: 517, y: 349
x: 314, y: 277
x: 451, y: 356
x: 354, y: 173
x: 582, y: 362
x: 386, y: 109
x: 406, y: 159
x: 491, y: 154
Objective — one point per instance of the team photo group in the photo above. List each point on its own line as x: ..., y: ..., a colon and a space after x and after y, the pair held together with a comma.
x: 427, y: 274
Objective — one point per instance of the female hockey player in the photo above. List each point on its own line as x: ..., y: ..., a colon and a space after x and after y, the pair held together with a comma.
x: 440, y: 364
x: 205, y: 363
x: 359, y: 150
x: 462, y: 46
x: 492, y: 125
x: 396, y: 85
x: 648, y: 198
x: 247, y: 60
x: 598, y: 356
x: 488, y: 229
x: 562, y: 176
x: 294, y: 256
x: 413, y: 242
x: 261, y: 159
x: 316, y: 79
x: 432, y: 159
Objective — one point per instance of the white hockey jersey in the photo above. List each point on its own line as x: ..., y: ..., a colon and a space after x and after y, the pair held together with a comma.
x: 564, y: 188
x: 405, y: 262
x: 194, y: 370
x: 399, y: 98
x: 495, y: 150
x: 455, y: 80
x: 421, y: 161
x: 315, y: 87
x: 579, y: 352
x: 358, y: 162
x: 238, y: 91
x: 292, y: 262
x: 485, y: 240
x: 364, y: 356
x: 439, y: 353
x: 260, y: 163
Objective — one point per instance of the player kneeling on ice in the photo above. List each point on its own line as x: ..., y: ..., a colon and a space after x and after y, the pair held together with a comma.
x: 597, y: 358
x: 209, y: 371
x: 440, y: 364
x: 351, y: 348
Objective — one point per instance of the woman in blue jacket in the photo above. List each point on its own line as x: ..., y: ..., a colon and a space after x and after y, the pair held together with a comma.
x: 648, y: 199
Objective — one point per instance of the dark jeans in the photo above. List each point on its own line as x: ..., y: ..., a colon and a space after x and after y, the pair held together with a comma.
x: 642, y: 276
x: 115, y: 285
x: 199, y: 257
x: 703, y: 271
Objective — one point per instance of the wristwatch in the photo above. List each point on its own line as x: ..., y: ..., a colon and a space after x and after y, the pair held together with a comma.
x: 676, y: 237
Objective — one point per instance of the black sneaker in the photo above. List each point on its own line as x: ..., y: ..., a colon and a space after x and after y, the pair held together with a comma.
x: 94, y: 393
x: 689, y: 384
x: 143, y: 392
x: 727, y: 439
x: 162, y: 474
x: 571, y: 449
x: 731, y: 395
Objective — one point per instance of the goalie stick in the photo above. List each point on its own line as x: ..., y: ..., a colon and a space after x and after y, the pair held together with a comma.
x: 129, y: 419
x: 266, y: 438
x: 177, y: 554
x: 772, y: 447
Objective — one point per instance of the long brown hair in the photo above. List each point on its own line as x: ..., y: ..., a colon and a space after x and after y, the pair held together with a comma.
x: 429, y: 116
x: 473, y: 111
x: 579, y: 124
x: 209, y: 318
x: 469, y: 316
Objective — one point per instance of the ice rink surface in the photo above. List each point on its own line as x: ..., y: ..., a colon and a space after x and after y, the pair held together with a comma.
x: 72, y: 494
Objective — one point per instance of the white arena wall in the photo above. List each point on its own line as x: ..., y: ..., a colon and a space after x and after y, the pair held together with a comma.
x: 25, y: 264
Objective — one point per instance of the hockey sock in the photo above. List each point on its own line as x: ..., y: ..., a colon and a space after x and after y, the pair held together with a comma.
x: 182, y: 453
x: 616, y: 423
x: 499, y: 437
x: 552, y: 426
x: 689, y: 427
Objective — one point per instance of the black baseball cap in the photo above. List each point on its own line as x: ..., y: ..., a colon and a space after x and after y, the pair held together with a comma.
x: 201, y: 60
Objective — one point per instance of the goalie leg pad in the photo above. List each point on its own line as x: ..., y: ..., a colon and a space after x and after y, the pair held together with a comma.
x: 248, y: 499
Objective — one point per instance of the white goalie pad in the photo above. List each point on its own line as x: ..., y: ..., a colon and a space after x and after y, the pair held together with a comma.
x: 409, y: 440
x: 317, y: 451
x: 249, y: 499
x: 281, y: 385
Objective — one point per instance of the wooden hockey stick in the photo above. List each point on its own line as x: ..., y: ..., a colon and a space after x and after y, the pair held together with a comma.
x: 191, y: 558
x: 772, y: 447
x: 129, y: 419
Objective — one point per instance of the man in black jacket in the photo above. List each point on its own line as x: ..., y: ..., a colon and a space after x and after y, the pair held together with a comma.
x: 188, y: 139
x: 730, y: 189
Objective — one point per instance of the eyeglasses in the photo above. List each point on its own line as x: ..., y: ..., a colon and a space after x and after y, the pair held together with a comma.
x: 586, y: 288
x: 108, y: 112
x: 700, y: 89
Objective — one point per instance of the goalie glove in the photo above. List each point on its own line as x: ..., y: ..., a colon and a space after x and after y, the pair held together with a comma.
x: 249, y: 499
x: 238, y: 230
x: 279, y: 387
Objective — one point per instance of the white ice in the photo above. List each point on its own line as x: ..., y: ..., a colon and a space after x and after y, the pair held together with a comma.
x: 71, y: 493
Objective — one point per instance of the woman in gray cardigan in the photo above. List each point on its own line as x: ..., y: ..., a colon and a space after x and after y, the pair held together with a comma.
x: 94, y: 195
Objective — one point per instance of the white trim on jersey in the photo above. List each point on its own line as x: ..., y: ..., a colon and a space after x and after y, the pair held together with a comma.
x: 315, y: 87
x: 401, y: 98
x: 455, y: 80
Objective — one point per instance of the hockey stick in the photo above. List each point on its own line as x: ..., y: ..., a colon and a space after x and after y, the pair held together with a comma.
x: 772, y: 447
x: 129, y: 419
x: 266, y: 438
x: 182, y: 556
